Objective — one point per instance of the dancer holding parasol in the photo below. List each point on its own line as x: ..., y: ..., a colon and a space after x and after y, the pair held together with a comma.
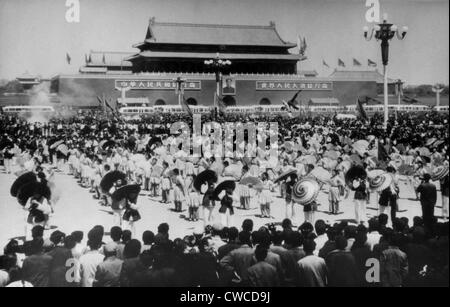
x: 127, y: 196
x: 356, y: 180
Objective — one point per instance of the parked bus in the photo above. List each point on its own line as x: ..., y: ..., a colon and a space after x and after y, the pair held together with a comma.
x: 28, y: 109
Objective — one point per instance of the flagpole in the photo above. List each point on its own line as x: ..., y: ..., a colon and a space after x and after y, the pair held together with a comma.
x: 386, y: 102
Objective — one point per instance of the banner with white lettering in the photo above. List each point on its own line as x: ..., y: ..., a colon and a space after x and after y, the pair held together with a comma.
x: 157, y: 85
x: 293, y: 85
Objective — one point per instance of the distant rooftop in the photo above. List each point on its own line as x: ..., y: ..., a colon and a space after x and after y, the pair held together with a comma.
x: 359, y: 75
x: 213, y: 34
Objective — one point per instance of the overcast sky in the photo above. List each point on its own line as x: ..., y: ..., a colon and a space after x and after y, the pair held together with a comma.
x: 34, y: 35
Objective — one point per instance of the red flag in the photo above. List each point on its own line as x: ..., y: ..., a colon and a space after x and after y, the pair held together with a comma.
x: 356, y: 62
x: 360, y: 108
x: 371, y: 63
x: 341, y: 63
x: 68, y: 58
x: 186, y: 108
x: 222, y: 106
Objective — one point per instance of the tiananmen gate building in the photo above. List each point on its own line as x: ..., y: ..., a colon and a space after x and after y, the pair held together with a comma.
x: 263, y: 70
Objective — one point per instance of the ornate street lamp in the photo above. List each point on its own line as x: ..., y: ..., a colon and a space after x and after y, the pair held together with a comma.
x: 218, y: 65
x: 385, y: 32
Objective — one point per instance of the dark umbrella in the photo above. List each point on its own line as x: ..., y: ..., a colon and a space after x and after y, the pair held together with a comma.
x: 225, y: 185
x: 32, y: 188
x: 334, y: 138
x: 426, y: 159
x: 205, y: 176
x: 153, y: 141
x: 286, y: 175
x: 6, y: 143
x: 131, y: 142
x: 353, y: 173
x: 108, y: 144
x: 109, y: 179
x: 127, y: 191
x: 22, y: 180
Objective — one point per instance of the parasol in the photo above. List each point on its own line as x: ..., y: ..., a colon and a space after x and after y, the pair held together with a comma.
x: 439, y: 172
x: 329, y: 163
x: 22, y: 180
x: 361, y: 146
x: 320, y: 174
x: 30, y: 189
x: 56, y: 144
x: 308, y: 159
x: 353, y: 173
x: 286, y: 175
x: 305, y: 191
x: 344, y: 165
x: 332, y: 154
x: 180, y: 154
x: 375, y: 173
x: 127, y: 191
x: 138, y: 157
x: 430, y: 141
x: 225, y: 185
x: 424, y: 152
x: 381, y: 182
x: 250, y: 181
x: 108, y: 180
x: 205, y: 176
x: 62, y: 148
x: 355, y: 159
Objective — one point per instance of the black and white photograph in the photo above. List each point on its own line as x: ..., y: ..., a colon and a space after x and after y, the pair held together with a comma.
x: 228, y: 147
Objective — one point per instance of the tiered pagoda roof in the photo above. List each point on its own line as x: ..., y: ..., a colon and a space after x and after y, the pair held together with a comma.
x: 184, y: 46
x: 212, y: 34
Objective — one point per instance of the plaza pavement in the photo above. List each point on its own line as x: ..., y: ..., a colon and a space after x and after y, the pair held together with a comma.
x: 78, y: 210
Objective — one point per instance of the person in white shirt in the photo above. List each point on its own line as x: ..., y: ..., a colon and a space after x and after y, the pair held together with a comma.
x: 312, y: 270
x: 89, y: 263
x: 373, y: 237
x: 321, y: 231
